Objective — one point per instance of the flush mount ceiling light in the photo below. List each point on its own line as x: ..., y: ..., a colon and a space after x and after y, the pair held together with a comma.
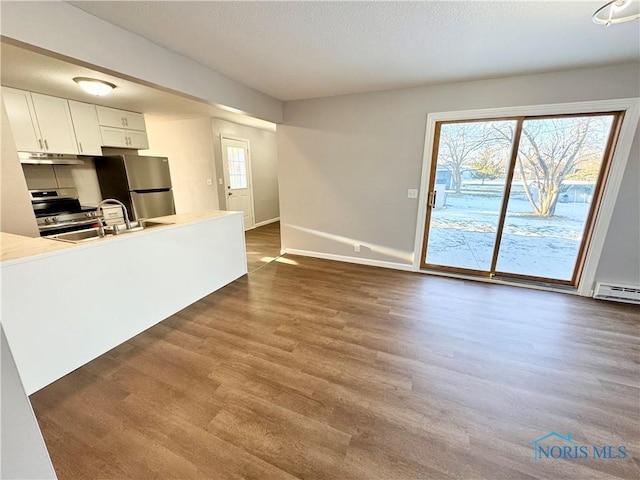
x: 618, y: 11
x: 94, y: 87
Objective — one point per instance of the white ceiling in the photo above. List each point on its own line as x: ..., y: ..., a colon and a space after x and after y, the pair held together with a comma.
x: 36, y: 72
x: 296, y: 50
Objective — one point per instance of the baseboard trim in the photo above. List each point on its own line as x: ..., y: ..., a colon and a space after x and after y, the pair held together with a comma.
x: 266, y: 222
x: 343, y: 258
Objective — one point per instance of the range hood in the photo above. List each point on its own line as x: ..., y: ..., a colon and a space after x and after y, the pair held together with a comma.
x: 34, y: 158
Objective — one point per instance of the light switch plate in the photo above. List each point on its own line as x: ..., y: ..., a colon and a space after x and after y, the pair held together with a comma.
x: 412, y: 193
x: 209, y: 181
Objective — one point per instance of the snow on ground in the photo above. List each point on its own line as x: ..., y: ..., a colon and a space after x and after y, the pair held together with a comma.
x: 462, y: 234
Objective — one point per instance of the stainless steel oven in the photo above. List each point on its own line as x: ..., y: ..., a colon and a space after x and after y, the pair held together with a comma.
x: 59, y: 211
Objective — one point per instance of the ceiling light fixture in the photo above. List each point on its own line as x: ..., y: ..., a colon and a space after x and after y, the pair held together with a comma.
x: 618, y: 11
x: 94, y: 87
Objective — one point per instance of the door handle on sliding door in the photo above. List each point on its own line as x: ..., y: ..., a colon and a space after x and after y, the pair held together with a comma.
x: 432, y: 199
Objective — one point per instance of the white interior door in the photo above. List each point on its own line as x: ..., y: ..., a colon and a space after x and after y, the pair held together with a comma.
x: 237, y: 177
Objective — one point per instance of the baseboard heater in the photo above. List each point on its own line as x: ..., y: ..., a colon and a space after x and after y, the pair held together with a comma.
x: 617, y: 292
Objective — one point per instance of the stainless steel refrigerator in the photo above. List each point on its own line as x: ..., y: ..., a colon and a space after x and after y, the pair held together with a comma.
x: 143, y: 184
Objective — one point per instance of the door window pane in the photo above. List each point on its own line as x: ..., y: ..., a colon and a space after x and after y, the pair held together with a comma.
x: 237, y: 167
x: 556, y: 173
x: 472, y: 162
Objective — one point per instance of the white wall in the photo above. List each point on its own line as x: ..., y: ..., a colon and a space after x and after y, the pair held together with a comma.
x: 16, y: 213
x: 189, y: 147
x: 620, y: 260
x: 264, y: 166
x: 65, y: 30
x: 346, y: 162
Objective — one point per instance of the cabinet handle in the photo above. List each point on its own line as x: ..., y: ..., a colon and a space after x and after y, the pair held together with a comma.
x: 40, y: 143
x: 46, y: 145
x: 122, y: 121
x: 80, y: 145
x: 126, y: 122
x: 128, y: 140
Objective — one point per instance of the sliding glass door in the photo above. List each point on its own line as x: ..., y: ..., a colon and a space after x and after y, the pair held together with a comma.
x: 516, y: 197
x: 465, y: 204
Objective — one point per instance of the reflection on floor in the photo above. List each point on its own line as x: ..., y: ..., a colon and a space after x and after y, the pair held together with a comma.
x: 263, y: 245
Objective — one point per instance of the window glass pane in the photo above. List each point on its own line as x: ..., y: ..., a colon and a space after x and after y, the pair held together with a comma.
x: 472, y: 162
x: 556, y: 173
x: 237, y: 167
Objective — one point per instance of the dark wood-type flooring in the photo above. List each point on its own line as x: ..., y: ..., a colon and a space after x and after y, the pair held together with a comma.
x: 322, y: 370
x: 263, y: 245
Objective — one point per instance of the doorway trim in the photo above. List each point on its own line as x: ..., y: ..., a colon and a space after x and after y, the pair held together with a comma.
x: 225, y: 176
x: 631, y: 110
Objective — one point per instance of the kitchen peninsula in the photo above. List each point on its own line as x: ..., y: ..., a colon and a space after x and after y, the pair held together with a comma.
x: 65, y: 304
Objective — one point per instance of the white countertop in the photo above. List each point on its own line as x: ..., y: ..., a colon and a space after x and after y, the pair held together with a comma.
x: 15, y: 247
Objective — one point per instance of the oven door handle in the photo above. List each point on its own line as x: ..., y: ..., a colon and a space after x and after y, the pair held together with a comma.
x: 56, y: 226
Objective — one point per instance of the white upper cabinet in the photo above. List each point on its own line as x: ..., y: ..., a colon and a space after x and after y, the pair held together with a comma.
x: 138, y: 139
x: 122, y: 129
x: 111, y: 117
x: 123, y: 138
x: 56, y: 127
x: 22, y: 118
x: 85, y: 124
x: 39, y: 123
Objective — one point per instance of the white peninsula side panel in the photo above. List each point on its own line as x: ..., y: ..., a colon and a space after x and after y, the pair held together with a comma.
x: 62, y: 309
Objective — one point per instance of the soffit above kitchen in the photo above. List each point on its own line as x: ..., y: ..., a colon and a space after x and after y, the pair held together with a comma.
x: 36, y: 71
x: 299, y: 50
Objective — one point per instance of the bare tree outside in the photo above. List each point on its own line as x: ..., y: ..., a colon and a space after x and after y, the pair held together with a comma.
x: 557, y: 164
x: 464, y: 143
x: 552, y: 150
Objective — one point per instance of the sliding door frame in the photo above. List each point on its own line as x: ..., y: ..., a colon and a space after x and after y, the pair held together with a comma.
x: 610, y: 186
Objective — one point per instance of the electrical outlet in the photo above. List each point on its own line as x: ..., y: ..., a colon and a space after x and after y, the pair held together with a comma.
x: 356, y: 247
x: 219, y: 181
x: 412, y: 193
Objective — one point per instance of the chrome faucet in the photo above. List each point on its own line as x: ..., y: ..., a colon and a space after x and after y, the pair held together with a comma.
x: 111, y: 201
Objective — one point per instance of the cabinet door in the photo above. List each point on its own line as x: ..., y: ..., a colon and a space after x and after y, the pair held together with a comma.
x: 120, y: 137
x: 112, y: 117
x: 22, y: 118
x: 114, y: 137
x: 85, y: 124
x: 134, y: 121
x: 137, y: 139
x: 54, y: 120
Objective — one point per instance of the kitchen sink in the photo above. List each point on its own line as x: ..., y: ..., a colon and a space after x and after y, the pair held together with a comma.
x: 152, y: 224
x: 136, y: 226
x: 79, y: 236
x: 90, y: 234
